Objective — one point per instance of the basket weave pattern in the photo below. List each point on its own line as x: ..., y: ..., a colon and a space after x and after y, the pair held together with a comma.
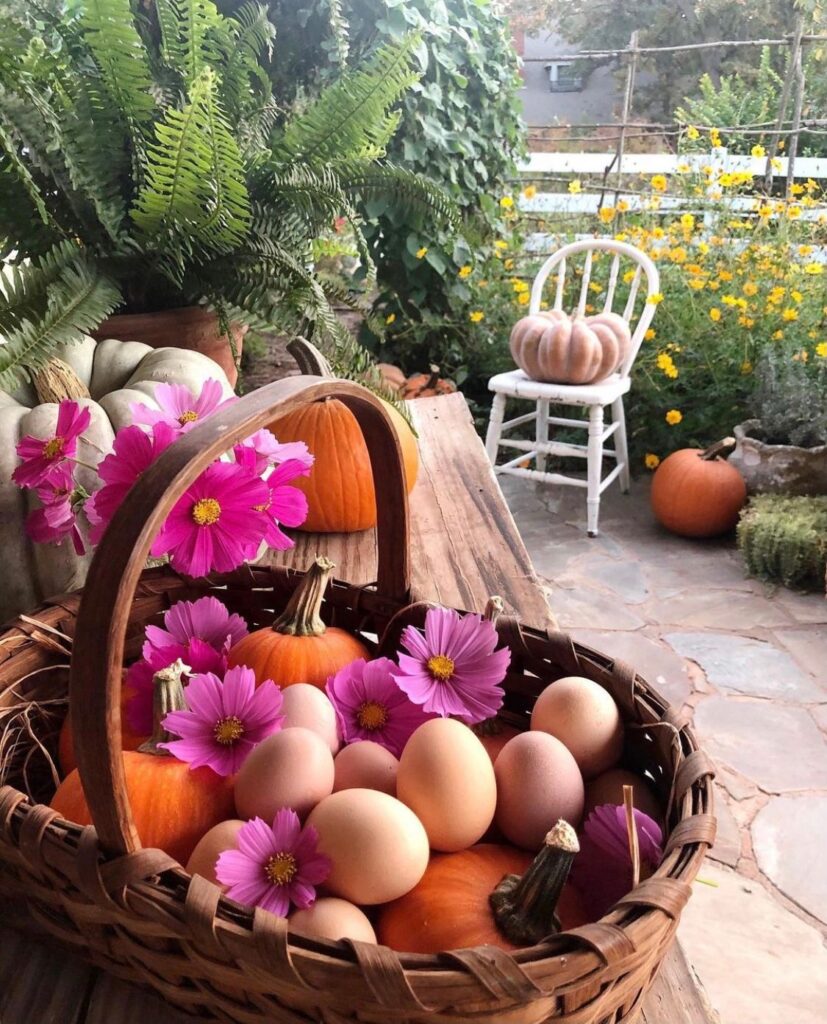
x: 140, y: 916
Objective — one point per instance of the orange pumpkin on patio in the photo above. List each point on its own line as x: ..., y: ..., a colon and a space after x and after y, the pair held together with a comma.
x: 298, y: 647
x: 697, y: 493
x: 552, y: 347
x: 427, y: 385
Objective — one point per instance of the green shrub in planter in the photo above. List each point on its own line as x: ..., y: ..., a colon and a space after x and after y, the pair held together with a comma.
x: 785, y: 539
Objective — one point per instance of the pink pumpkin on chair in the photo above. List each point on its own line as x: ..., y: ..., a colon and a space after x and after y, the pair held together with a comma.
x: 552, y: 347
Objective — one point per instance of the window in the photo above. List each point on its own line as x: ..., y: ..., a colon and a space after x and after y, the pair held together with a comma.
x: 562, y: 77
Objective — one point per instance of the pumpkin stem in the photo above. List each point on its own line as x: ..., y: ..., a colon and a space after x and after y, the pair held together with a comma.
x: 524, y: 906
x: 494, y: 608
x: 433, y: 380
x: 57, y: 381
x: 720, y: 449
x: 310, y: 360
x: 167, y: 695
x: 301, y: 616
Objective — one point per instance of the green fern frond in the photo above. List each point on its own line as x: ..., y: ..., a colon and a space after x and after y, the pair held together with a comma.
x: 409, y: 191
x: 186, y: 28
x: 351, y: 119
x: 194, y: 175
x: 16, y: 163
x: 340, y: 30
x: 24, y: 287
x: 78, y: 301
x: 245, y: 38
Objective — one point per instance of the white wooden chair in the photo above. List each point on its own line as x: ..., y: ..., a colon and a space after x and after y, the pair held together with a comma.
x: 516, y: 384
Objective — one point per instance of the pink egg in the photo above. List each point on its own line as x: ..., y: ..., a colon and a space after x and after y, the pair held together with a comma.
x: 365, y: 765
x: 583, y: 716
x: 306, y: 706
x: 292, y: 768
x: 210, y: 846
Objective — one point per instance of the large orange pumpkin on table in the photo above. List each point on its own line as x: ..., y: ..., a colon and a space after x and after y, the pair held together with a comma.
x: 172, y: 806
x: 299, y: 647
x: 697, y: 493
x: 339, y: 489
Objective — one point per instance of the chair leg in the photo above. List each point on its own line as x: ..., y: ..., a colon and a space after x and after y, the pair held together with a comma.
x: 594, y: 467
x: 495, y: 426
x: 621, y: 445
x: 541, y: 432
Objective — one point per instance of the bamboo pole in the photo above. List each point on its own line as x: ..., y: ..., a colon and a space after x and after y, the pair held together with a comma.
x: 603, y: 54
x: 628, y: 92
x: 796, y: 129
x: 783, y: 103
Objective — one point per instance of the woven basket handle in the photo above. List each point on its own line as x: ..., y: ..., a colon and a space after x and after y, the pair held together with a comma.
x: 97, y: 659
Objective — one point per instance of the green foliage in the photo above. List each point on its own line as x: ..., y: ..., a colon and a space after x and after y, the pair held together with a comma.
x: 145, y: 164
x: 785, y: 539
x: 749, y: 96
x: 790, y: 398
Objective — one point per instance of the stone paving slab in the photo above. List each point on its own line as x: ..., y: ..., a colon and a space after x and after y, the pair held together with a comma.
x: 727, y: 848
x: 808, y: 647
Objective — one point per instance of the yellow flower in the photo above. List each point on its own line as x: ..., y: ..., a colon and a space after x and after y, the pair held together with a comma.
x: 651, y: 460
x: 595, y: 287
x: 476, y: 316
x: 715, y: 314
x: 692, y: 132
x: 802, y: 356
x: 649, y: 334
x: 507, y: 265
x: 523, y: 298
x: 821, y: 350
x: 390, y: 318
x: 683, y: 168
x: 758, y: 150
x: 506, y: 202
x: 606, y: 214
x: 778, y: 335
x: 422, y: 253
x: 658, y: 182
x: 725, y: 275
x: 781, y: 143
x: 687, y: 221
x: 746, y: 367
x: 729, y: 300
x: 794, y: 212
x: 796, y: 189
x: 789, y: 314
x: 464, y: 272
x: 500, y: 244
x: 750, y: 288
x: 575, y: 187
x: 696, y: 283
x: 715, y: 138
x: 622, y: 206
x: 746, y: 321
x: 673, y: 417
x: 805, y: 250
x: 725, y: 180
x: 714, y: 285
x: 655, y: 298
x: 519, y: 286
x: 796, y: 296
x: 530, y: 191
x: 629, y: 276
x: 814, y: 268
x: 775, y: 163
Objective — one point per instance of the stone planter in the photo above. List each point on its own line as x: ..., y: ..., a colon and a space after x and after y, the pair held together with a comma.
x: 190, y: 327
x: 778, y: 468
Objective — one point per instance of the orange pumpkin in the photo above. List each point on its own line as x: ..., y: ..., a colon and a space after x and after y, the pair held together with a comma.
x: 697, y: 493
x: 556, y: 348
x: 450, y: 908
x: 66, y: 740
x: 172, y: 806
x: 298, y: 647
x: 339, y: 489
x: 427, y: 385
x: 392, y: 377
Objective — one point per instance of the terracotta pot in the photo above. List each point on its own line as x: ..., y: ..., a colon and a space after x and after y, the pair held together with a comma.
x: 191, y: 327
x: 778, y: 468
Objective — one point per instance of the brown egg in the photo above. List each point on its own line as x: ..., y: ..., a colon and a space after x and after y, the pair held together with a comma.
x: 538, y: 781
x: 608, y: 789
x: 332, y: 918
x: 446, y: 777
x: 365, y: 765
x: 582, y: 715
x: 377, y: 846
x: 308, y: 707
x: 291, y: 768
x: 219, y: 838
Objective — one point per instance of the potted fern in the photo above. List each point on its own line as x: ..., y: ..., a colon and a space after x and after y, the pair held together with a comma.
x: 151, y: 188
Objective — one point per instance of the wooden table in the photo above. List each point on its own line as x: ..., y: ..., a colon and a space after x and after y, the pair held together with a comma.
x: 465, y: 548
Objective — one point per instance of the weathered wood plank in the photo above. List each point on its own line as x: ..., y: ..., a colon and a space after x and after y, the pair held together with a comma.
x: 677, y: 996
x: 464, y: 541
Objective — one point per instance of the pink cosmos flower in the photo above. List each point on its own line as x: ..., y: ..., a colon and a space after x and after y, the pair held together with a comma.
x: 216, y: 522
x: 224, y: 721
x: 57, y: 519
x: 133, y: 452
x: 284, y: 504
x: 370, y: 706
x: 41, y: 456
x: 602, y: 871
x: 453, y: 669
x: 275, y: 866
x: 180, y: 409
x: 270, y: 452
x: 206, y: 619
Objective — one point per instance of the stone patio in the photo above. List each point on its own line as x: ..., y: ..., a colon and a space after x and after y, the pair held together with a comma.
x: 750, y: 661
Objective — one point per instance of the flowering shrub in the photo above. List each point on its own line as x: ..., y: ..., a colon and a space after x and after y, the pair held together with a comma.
x: 222, y: 519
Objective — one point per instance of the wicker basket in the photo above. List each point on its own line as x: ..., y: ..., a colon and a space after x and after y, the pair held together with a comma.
x: 138, y: 914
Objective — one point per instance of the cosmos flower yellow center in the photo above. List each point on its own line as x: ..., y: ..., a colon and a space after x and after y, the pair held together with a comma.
x: 229, y: 730
x: 53, y: 448
x: 441, y: 667
x: 281, y: 868
x: 190, y: 416
x: 206, y: 511
x: 372, y: 715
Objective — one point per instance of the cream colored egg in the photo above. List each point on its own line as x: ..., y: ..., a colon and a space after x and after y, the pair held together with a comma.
x: 584, y: 716
x: 538, y: 782
x: 306, y: 706
x: 213, y: 843
x: 446, y: 777
x: 608, y: 789
x: 291, y: 768
x: 365, y: 765
x: 332, y: 918
x: 377, y: 846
